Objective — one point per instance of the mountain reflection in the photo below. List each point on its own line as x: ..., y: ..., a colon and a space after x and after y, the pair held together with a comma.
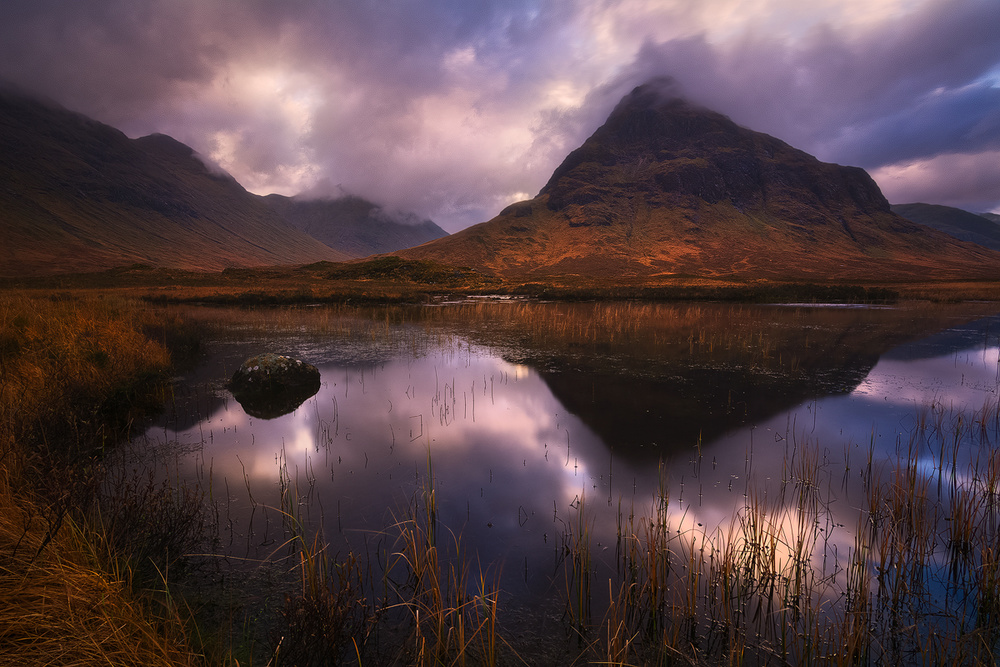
x: 655, y: 379
x: 522, y: 410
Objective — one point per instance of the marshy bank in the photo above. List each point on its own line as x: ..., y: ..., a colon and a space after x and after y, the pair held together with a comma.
x: 73, y: 375
x: 511, y: 482
x: 392, y: 280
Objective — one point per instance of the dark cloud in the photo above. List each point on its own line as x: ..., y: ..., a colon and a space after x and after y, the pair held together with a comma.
x: 965, y: 119
x: 114, y: 59
x: 452, y: 108
x: 923, y: 87
x: 835, y: 92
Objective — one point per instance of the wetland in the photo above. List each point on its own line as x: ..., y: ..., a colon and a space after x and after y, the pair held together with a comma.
x: 507, y: 481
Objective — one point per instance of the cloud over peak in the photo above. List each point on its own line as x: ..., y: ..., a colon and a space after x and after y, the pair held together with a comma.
x: 454, y: 109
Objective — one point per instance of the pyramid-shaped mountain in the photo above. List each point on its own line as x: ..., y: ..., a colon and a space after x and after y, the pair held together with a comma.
x: 78, y: 195
x: 665, y: 188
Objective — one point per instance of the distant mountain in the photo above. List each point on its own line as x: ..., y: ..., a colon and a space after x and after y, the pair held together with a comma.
x: 665, y: 188
x: 354, y: 225
x: 77, y: 195
x: 954, y: 221
x: 995, y: 217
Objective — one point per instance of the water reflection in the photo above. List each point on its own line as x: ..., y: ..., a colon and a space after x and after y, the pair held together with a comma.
x: 523, y: 411
x: 274, y: 404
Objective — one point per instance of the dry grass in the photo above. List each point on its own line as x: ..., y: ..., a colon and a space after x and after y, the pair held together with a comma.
x: 767, y: 588
x: 68, y: 365
x: 390, y: 280
x: 60, y: 606
x: 427, y: 608
x: 71, y: 373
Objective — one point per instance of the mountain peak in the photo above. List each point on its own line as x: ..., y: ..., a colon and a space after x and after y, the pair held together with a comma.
x: 353, y: 224
x: 666, y: 187
x: 657, y: 92
x: 665, y: 152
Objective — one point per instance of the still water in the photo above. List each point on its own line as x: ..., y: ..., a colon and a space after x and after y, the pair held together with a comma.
x: 520, y: 415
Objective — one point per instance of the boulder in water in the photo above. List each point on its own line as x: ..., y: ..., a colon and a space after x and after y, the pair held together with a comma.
x: 270, y: 385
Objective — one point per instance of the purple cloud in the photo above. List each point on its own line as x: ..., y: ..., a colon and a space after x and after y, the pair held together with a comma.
x: 454, y: 109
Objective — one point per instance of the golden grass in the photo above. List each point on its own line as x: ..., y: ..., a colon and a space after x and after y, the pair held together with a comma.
x: 370, y: 282
x: 58, y: 606
x: 69, y: 369
x: 64, y: 361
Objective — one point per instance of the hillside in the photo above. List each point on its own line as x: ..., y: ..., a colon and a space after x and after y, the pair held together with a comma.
x: 354, y: 225
x: 666, y: 189
x: 955, y: 222
x: 78, y: 195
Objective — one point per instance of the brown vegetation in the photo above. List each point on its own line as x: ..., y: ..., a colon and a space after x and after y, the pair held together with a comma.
x: 71, y: 373
x: 393, y: 279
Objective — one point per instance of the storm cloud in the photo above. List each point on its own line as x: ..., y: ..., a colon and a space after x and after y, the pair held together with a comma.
x: 454, y: 109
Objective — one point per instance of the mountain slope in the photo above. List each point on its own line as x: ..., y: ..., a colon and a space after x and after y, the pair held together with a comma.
x: 953, y: 221
x: 354, y: 225
x: 665, y: 188
x: 78, y: 195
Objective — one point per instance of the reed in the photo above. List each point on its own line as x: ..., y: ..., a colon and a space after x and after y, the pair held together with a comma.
x: 453, y: 613
x: 768, y: 587
x: 59, y: 606
x: 428, y: 607
x: 921, y: 578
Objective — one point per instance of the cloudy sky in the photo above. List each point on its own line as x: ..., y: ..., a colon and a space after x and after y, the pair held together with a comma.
x: 455, y: 108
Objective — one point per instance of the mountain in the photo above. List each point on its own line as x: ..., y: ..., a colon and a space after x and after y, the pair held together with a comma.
x: 78, y: 195
x: 665, y: 188
x: 954, y: 221
x: 354, y: 225
x: 994, y: 217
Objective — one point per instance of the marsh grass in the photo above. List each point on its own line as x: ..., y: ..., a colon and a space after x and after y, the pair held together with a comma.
x: 917, y: 583
x: 790, y: 340
x: 917, y: 576
x: 60, y: 604
x: 73, y: 375
x: 395, y: 280
x: 918, y: 586
x: 73, y: 369
x: 428, y: 607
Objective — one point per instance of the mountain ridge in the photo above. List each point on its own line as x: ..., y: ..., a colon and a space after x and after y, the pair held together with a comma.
x: 81, y: 196
x: 354, y: 225
x: 972, y: 227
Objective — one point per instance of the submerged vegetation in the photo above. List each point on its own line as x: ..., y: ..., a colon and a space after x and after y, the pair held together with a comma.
x: 93, y: 563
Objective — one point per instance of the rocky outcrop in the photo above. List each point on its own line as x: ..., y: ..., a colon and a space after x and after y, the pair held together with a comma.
x: 270, y: 385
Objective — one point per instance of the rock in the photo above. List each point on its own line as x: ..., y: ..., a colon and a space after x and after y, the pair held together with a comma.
x: 270, y: 385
